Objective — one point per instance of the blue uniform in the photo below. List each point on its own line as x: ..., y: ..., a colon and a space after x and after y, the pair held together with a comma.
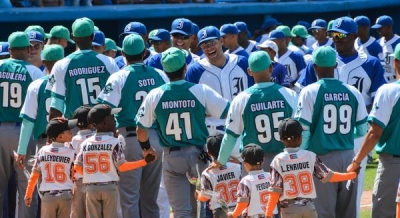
x: 294, y: 63
x: 370, y: 47
x: 155, y: 61
x: 386, y: 60
x: 279, y: 75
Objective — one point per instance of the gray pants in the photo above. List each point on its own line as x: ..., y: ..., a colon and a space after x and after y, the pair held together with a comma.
x: 299, y: 211
x: 334, y: 199
x: 9, y: 135
x: 56, y: 206
x: 101, y: 201
x: 140, y: 186
x: 385, y: 187
x: 78, y: 207
x: 176, y: 165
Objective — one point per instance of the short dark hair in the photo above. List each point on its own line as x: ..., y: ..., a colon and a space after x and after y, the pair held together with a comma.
x: 177, y: 74
x: 214, y: 144
x: 137, y: 57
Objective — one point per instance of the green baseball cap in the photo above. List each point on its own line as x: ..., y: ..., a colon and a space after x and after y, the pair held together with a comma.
x: 111, y: 45
x: 300, y: 31
x: 133, y: 44
x: 286, y: 30
x: 396, y: 53
x: 61, y: 32
x: 173, y: 59
x: 39, y: 29
x: 324, y: 56
x: 82, y: 27
x: 259, y: 61
x: 52, y: 52
x: 330, y: 24
x: 18, y: 39
x: 96, y: 28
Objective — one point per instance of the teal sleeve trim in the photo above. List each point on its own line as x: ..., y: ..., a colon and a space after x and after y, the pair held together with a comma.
x: 57, y: 103
x: 227, y: 145
x: 25, y: 135
x: 303, y: 121
x: 361, y: 121
x: 374, y: 120
x: 231, y: 133
x: 24, y: 116
x: 225, y: 113
x: 360, y: 130
x: 105, y: 102
x: 306, y: 137
x: 53, y: 94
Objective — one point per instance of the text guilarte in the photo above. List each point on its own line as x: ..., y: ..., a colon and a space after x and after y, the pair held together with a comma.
x: 97, y: 147
x: 295, y: 166
x: 54, y: 158
x: 260, y: 106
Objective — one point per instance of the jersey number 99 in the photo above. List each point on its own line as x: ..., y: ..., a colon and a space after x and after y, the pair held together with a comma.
x: 331, y: 121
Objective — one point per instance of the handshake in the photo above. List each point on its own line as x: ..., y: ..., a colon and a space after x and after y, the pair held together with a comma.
x: 150, y: 155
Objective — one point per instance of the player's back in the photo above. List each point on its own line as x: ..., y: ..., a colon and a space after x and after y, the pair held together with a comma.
x: 224, y: 181
x: 296, y: 170
x: 294, y: 63
x: 55, y: 163
x: 15, y: 77
x: 99, y: 158
x: 255, y: 186
x: 266, y: 104
x: 77, y: 141
x: 335, y: 111
x: 80, y: 77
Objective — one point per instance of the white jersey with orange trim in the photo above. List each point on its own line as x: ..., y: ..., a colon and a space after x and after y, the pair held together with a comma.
x: 54, y: 163
x: 100, y: 155
x: 76, y: 142
x: 222, y: 181
x: 254, y: 189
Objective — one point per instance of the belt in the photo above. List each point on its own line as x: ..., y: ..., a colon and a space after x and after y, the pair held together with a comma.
x: 176, y: 148
x: 299, y: 201
x: 56, y: 192
x: 9, y: 123
x: 102, y: 183
x: 396, y: 155
x: 130, y: 128
x: 220, y: 128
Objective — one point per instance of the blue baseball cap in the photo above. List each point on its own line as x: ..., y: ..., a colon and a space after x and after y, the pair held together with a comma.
x: 344, y: 25
x: 270, y: 22
x: 195, y: 28
x: 318, y: 24
x: 99, y: 39
x: 160, y: 35
x: 383, y: 20
x: 276, y: 34
x: 35, y: 36
x: 304, y: 23
x: 362, y: 21
x: 182, y: 26
x: 135, y: 27
x: 4, y: 48
x: 228, y: 29
x: 207, y: 33
x: 242, y: 26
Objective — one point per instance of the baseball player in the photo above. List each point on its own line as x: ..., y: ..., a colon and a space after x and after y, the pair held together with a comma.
x: 36, y: 40
x: 243, y: 37
x: 59, y: 35
x: 193, y: 45
x: 318, y: 29
x: 78, y: 78
x: 111, y: 48
x: 334, y: 113
x: 126, y: 89
x: 100, y: 157
x: 279, y: 72
x: 384, y: 122
x: 175, y: 107
x: 38, y: 29
x: 254, y: 115
x: 135, y: 28
x: 4, y: 54
x: 388, y: 41
x: 292, y: 173
x: 15, y: 77
x: 78, y: 206
x: 299, y: 39
x: 365, y: 42
x: 287, y: 32
x: 160, y: 40
x: 293, y: 61
x: 229, y: 36
x: 219, y: 185
x: 182, y: 37
x: 35, y: 110
x: 99, y: 42
x: 252, y: 195
x: 268, y: 25
x: 54, y: 165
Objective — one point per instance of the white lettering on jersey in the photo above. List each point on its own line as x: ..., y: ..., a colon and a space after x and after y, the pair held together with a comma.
x: 13, y: 76
x: 86, y: 70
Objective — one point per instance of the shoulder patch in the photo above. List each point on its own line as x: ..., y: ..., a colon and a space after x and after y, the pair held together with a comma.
x: 108, y: 88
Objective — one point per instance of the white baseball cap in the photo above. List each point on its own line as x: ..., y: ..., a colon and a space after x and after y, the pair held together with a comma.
x: 268, y: 44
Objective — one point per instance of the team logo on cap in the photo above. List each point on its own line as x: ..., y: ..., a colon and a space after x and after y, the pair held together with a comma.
x: 204, y: 34
x: 1, y: 48
x: 108, y: 88
x: 32, y: 35
x: 338, y: 22
x: 127, y: 28
x: 180, y: 25
x: 377, y: 20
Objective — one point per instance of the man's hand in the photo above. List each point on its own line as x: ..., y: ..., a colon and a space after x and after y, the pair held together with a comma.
x: 20, y: 159
x: 353, y: 166
x: 234, y: 160
x: 230, y: 215
x: 214, y: 164
x: 28, y: 201
x: 150, y: 155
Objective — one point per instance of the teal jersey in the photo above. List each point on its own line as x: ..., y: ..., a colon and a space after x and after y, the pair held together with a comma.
x: 179, y: 109
x: 127, y: 88
x: 79, y: 78
x: 37, y: 105
x: 256, y: 112
x: 386, y: 113
x: 331, y: 110
x: 15, y: 77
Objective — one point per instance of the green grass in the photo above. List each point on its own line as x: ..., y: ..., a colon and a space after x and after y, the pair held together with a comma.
x: 365, y: 214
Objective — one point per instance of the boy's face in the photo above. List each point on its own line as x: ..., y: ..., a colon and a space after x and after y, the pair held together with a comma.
x: 65, y: 136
